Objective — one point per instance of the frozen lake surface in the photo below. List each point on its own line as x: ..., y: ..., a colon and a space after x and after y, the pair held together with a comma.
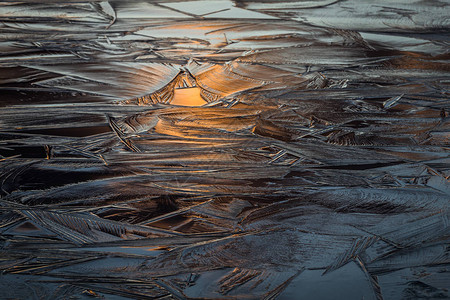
x: 224, y: 149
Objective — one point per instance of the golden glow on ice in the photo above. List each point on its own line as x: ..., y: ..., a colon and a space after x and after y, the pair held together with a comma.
x: 188, y: 97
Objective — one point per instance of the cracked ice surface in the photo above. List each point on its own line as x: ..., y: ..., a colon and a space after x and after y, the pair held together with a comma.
x: 224, y: 149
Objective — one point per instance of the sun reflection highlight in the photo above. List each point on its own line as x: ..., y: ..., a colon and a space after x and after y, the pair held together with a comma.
x: 187, y: 97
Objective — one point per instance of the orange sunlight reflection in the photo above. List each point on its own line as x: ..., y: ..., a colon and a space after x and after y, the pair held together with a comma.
x: 188, y: 97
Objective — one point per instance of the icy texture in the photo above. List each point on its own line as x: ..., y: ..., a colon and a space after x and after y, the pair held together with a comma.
x: 224, y: 149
